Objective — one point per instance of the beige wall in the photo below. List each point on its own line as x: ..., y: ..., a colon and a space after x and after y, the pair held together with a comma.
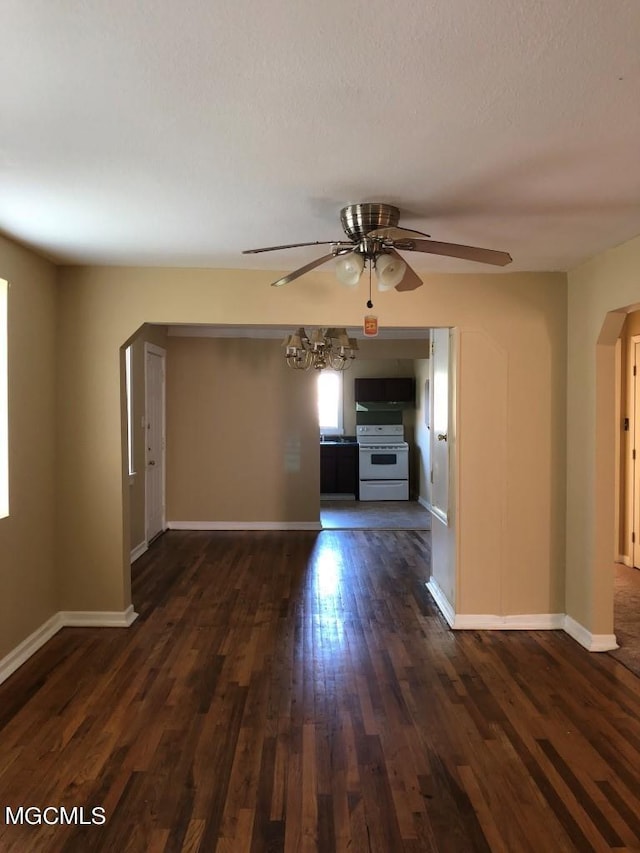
x: 608, y: 283
x: 523, y: 315
x: 28, y: 594
x: 242, y: 433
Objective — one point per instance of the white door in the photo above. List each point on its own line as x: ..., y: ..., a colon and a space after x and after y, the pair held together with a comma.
x: 634, y: 435
x: 440, y: 424
x: 154, y: 439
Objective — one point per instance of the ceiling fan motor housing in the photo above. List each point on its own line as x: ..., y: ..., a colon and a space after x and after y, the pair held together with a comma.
x: 359, y: 219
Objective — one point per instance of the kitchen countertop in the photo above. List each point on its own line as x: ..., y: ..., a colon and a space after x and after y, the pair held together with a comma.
x: 340, y: 440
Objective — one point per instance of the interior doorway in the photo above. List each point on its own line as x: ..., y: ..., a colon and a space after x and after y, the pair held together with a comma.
x: 626, y: 613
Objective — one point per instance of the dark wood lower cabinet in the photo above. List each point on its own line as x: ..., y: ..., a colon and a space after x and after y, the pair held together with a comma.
x: 339, y: 469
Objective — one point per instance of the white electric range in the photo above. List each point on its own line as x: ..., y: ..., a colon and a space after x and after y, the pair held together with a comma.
x: 383, y: 455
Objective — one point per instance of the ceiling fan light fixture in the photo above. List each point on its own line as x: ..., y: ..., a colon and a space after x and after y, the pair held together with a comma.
x: 349, y: 268
x: 390, y: 271
x: 374, y: 237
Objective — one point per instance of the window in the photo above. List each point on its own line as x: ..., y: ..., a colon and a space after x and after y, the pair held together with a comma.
x: 4, y: 404
x: 128, y: 378
x: 330, y: 402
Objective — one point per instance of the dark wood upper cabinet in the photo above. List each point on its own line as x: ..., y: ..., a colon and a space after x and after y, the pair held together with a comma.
x: 392, y: 389
x: 368, y: 390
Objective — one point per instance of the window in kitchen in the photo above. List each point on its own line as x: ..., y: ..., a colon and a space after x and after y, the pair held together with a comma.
x: 330, y: 402
x: 4, y: 404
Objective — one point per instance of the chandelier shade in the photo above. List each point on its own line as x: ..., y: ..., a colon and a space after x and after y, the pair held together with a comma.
x: 332, y: 348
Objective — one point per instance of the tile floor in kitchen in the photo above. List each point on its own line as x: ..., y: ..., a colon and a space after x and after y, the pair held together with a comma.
x: 374, y: 515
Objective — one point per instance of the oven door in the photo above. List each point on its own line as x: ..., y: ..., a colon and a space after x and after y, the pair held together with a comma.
x: 384, y: 463
x: 384, y: 490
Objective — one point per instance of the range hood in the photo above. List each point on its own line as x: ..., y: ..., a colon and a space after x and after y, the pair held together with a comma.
x: 384, y: 406
x: 384, y: 393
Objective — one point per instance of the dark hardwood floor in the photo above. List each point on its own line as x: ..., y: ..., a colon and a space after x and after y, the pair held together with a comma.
x: 301, y: 692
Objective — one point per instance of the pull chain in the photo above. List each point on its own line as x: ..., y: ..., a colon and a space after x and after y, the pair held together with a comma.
x: 370, y: 303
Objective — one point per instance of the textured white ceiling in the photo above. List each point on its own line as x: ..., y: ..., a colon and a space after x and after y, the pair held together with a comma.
x: 181, y: 133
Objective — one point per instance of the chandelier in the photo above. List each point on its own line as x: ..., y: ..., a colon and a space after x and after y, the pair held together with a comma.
x: 331, y: 348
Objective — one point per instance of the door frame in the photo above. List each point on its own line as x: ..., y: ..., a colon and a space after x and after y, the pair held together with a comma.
x: 153, y: 349
x: 440, y: 511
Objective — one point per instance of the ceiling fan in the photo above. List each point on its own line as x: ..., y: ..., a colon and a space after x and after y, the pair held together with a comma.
x: 375, y: 238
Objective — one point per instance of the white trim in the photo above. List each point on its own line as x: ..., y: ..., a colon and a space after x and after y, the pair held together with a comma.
x: 625, y: 559
x: 69, y: 618
x: 277, y: 333
x: 521, y: 622
x: 138, y: 551
x: 425, y: 503
x: 591, y: 642
x: 4, y: 398
x: 444, y: 605
x: 244, y: 525
x: 439, y: 514
x: 489, y: 622
x: 98, y: 618
x: 29, y: 646
x: 516, y: 622
x: 128, y: 381
x: 153, y: 349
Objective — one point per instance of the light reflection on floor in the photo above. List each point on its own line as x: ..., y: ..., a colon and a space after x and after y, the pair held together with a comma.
x: 327, y: 590
x: 327, y: 572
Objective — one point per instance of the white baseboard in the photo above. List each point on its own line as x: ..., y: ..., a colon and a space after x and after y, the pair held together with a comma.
x: 98, y: 618
x: 625, y: 559
x: 520, y: 622
x: 244, y: 525
x: 29, y: 646
x: 591, y: 642
x: 444, y: 605
x: 515, y: 622
x: 424, y: 503
x: 63, y: 619
x: 138, y: 551
x: 440, y: 514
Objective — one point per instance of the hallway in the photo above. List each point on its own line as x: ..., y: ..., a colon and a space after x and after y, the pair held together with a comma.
x: 626, y: 616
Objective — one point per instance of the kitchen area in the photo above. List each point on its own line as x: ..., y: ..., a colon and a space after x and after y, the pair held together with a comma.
x: 372, y: 472
x: 222, y: 442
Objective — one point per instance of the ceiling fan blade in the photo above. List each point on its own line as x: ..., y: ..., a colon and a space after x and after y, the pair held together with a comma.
x: 302, y: 270
x: 457, y: 250
x: 295, y: 246
x: 410, y: 280
x: 394, y: 233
